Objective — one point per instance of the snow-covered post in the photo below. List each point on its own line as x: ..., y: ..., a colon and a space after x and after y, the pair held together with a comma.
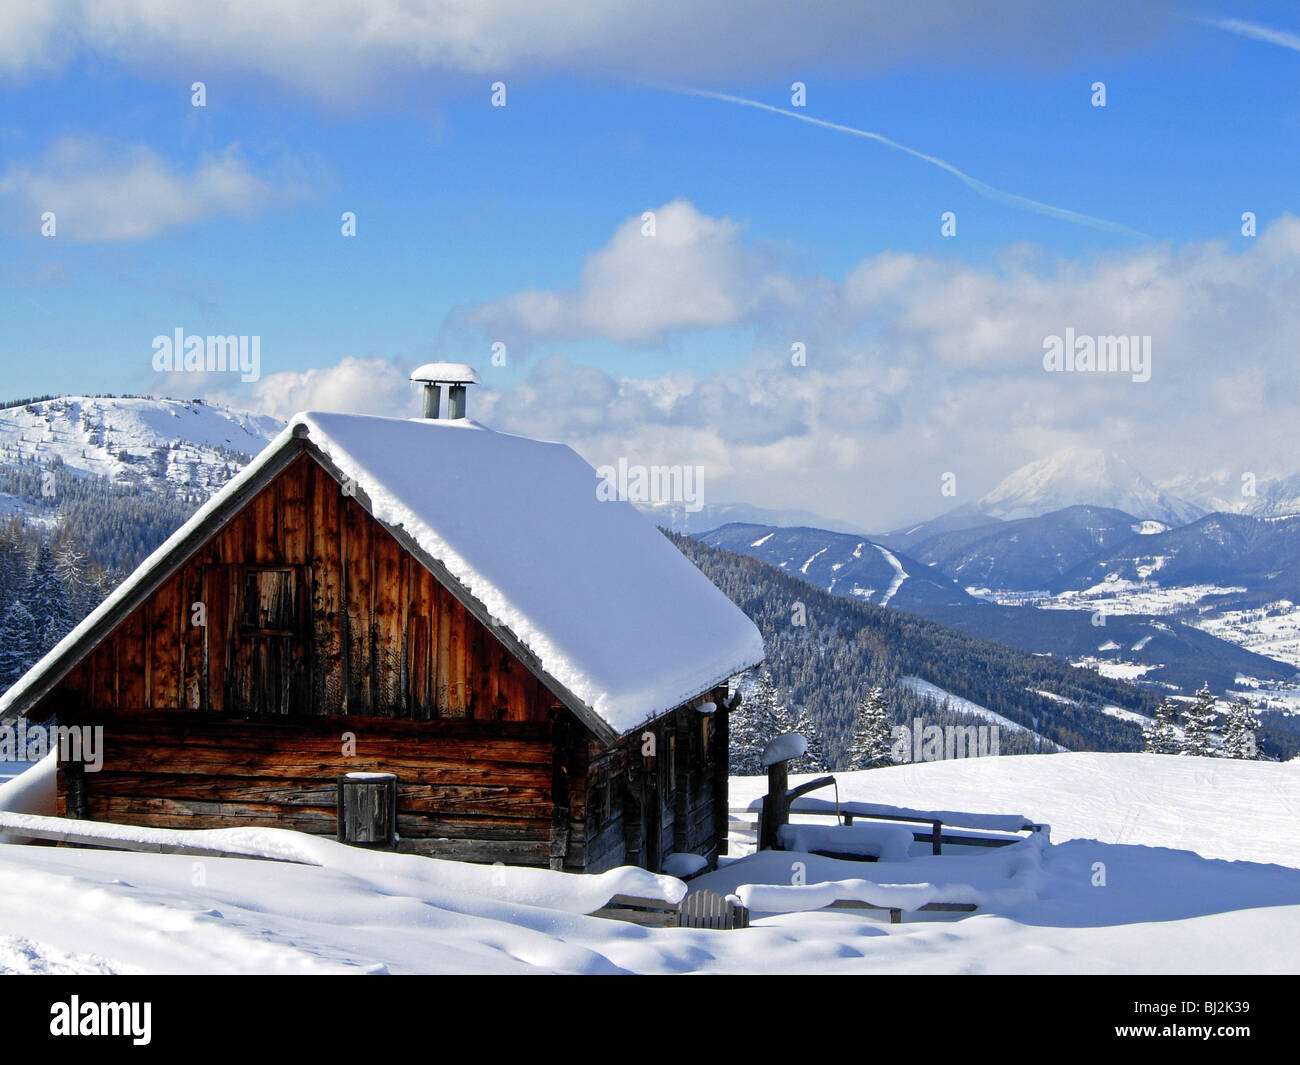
x: 776, y: 757
x: 774, y: 813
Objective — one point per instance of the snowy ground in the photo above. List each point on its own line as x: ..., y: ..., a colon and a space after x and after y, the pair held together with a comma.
x: 1272, y: 630
x: 1201, y: 861
x: 1115, y: 670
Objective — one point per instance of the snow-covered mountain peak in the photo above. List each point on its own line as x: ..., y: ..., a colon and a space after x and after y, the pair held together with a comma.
x: 1081, y: 475
x: 162, y: 443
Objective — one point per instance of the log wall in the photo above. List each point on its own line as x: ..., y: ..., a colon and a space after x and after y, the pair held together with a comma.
x: 474, y: 791
x: 642, y: 808
x: 303, y: 604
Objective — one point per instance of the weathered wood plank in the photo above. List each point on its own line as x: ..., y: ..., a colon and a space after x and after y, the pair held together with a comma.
x: 327, y: 596
x: 131, y: 660
x: 517, y: 802
x: 192, y: 639
x: 442, y: 668
x: 358, y: 588
x: 293, y: 521
x: 512, y: 852
x: 386, y: 666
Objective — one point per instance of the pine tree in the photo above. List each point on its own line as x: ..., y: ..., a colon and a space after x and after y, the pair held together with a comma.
x: 814, y: 759
x: 1160, y: 735
x: 45, y: 599
x: 760, y: 716
x: 13, y: 563
x: 1239, y: 731
x: 872, y: 740
x: 18, y: 643
x: 77, y: 580
x: 1199, y: 730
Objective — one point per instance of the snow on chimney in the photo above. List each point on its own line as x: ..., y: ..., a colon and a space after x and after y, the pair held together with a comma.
x: 456, y: 376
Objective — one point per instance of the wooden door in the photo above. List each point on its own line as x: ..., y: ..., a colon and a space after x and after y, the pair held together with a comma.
x: 268, y: 657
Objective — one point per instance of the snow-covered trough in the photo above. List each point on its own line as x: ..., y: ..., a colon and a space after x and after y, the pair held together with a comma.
x: 886, y: 839
x: 844, y: 839
x: 790, y: 881
x: 975, y: 830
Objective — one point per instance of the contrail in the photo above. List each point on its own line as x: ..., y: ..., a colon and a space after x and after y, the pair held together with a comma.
x: 1254, y: 31
x: 982, y: 188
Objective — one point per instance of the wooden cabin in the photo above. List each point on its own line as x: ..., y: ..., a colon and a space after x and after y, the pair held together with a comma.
x: 544, y: 673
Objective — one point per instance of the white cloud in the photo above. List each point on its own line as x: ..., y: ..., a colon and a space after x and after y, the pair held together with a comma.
x: 338, y: 49
x: 1255, y: 31
x: 101, y: 192
x: 359, y: 386
x: 920, y: 366
x: 693, y: 273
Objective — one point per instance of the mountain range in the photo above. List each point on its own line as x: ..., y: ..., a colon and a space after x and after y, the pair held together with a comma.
x: 1078, y: 475
x: 1092, y: 477
x: 1163, y: 652
x: 1253, y: 560
x: 843, y: 564
x: 1162, y: 593
x: 991, y: 569
x: 697, y: 519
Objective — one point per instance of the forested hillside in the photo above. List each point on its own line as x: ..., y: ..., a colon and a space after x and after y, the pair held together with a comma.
x: 47, y: 584
x: 828, y: 663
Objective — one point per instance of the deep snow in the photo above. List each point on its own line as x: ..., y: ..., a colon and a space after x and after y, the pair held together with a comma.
x: 1201, y: 864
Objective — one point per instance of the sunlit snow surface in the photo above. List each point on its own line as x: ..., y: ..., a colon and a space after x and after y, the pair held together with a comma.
x: 1200, y: 858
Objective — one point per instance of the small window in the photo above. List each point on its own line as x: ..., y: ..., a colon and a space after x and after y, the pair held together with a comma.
x: 270, y: 605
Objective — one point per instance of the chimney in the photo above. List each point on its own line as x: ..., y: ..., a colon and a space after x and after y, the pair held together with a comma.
x: 456, y: 376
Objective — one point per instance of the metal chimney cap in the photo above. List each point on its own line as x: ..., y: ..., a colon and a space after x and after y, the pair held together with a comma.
x: 446, y: 373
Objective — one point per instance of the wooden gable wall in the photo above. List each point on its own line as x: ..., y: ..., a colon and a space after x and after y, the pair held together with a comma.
x: 312, y: 608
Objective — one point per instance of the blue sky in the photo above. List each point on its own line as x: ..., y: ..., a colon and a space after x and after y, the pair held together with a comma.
x: 235, y: 209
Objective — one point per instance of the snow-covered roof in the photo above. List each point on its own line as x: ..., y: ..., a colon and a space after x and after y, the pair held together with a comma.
x: 608, y: 610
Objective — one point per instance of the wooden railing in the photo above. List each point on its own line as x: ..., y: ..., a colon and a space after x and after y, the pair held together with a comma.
x: 770, y: 819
